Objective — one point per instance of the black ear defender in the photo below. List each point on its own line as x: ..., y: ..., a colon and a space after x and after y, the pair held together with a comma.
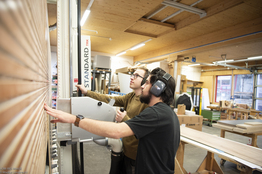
x: 159, y: 86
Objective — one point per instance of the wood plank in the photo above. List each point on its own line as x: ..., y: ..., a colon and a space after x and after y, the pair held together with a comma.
x: 16, y: 105
x: 141, y: 33
x: 12, y: 35
x: 235, y: 122
x: 8, y: 143
x: 11, y: 88
x: 221, y: 126
x: 12, y: 68
x: 248, y: 126
x: 242, y: 151
x: 35, y: 122
x: 32, y: 144
x: 254, y: 123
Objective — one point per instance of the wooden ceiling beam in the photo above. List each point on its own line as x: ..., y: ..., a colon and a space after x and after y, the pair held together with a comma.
x: 157, y: 22
x: 209, y: 41
x: 141, y: 33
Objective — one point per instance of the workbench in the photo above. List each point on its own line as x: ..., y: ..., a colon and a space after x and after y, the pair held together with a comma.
x: 236, y: 113
x: 247, y: 157
x: 231, y: 126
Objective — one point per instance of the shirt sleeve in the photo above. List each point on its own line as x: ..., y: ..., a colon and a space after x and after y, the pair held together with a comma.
x: 144, y: 123
x: 120, y: 101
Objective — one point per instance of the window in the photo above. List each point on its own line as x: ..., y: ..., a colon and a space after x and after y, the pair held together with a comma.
x: 258, y: 101
x: 243, y: 89
x: 223, y: 89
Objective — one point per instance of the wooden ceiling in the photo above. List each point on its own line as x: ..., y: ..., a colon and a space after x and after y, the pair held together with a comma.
x: 231, y: 27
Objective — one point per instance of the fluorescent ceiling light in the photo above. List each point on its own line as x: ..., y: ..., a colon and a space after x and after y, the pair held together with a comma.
x: 83, y: 20
x: 257, y: 57
x: 194, y: 65
x: 134, y: 47
x: 225, y: 61
x: 137, y: 46
x: 119, y: 54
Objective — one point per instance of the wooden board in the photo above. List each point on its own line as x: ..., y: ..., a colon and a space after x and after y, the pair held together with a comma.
x: 242, y: 151
x: 235, y: 122
x: 25, y: 83
x: 221, y: 126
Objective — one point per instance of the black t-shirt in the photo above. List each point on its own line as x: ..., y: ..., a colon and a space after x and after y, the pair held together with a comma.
x: 158, y: 131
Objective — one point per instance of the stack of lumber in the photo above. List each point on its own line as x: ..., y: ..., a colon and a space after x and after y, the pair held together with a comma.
x: 242, y: 153
x: 249, y: 127
x: 241, y: 126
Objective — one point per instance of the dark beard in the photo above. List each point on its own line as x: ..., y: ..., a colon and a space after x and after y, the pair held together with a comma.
x: 145, y: 98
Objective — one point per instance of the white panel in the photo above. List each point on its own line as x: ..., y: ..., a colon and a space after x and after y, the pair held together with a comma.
x: 124, y: 82
x: 90, y: 108
x: 86, y: 61
x: 192, y: 73
x: 63, y: 49
x: 205, y: 98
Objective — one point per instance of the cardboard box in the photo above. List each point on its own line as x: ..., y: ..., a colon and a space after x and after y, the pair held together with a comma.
x: 191, y: 121
x: 181, y: 108
x: 225, y: 104
x: 223, y: 115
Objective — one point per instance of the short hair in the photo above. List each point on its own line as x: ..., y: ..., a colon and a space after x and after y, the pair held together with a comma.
x: 167, y: 95
x: 147, y: 72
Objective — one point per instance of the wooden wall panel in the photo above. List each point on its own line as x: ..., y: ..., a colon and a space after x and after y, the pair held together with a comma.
x: 208, y: 83
x: 24, y: 85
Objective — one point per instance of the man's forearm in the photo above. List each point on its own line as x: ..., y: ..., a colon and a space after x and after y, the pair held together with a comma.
x: 106, y: 129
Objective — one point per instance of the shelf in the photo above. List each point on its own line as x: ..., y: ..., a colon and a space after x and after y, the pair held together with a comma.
x: 185, y: 84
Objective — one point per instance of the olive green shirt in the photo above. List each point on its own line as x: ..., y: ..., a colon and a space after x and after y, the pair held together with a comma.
x: 132, y: 105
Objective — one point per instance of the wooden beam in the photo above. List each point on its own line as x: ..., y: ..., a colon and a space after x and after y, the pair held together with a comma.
x: 221, y: 38
x: 141, y: 33
x: 157, y: 22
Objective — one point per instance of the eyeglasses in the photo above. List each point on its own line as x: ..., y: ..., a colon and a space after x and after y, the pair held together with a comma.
x: 135, y: 76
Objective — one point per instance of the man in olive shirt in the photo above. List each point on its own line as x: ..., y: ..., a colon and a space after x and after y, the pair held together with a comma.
x: 132, y: 106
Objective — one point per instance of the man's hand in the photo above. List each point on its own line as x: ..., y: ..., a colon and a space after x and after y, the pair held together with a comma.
x: 120, y: 115
x: 82, y: 88
x: 62, y: 117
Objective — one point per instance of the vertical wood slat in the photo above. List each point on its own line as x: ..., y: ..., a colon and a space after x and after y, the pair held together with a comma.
x: 14, y: 137
x: 11, y: 29
x: 24, y: 75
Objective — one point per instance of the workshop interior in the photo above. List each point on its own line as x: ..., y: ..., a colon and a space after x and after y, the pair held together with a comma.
x: 212, y: 48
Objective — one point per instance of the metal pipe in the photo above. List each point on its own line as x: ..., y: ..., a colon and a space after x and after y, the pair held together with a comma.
x: 181, y: 6
x: 176, y: 13
x: 70, y: 50
x: 160, y: 9
x: 79, y: 44
x: 79, y: 72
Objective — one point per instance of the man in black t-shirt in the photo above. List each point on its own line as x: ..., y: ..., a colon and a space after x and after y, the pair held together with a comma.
x: 157, y: 127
